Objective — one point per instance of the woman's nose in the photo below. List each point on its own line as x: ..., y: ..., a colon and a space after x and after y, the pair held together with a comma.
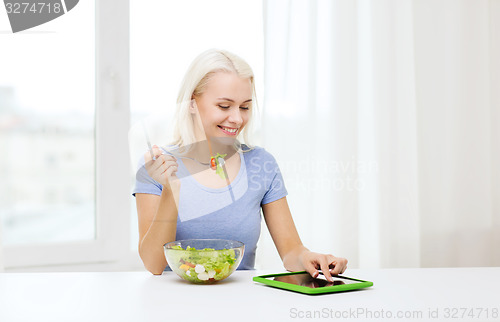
x: 235, y: 116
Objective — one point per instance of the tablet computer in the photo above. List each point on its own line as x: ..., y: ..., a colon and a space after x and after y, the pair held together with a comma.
x: 303, y: 282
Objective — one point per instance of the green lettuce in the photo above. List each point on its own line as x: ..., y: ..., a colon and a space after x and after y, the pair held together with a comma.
x: 219, y: 170
x: 211, y: 263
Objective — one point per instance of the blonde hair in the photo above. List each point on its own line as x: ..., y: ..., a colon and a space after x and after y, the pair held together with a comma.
x: 194, y: 83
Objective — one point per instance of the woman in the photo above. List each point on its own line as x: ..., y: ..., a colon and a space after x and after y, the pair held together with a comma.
x: 191, y: 197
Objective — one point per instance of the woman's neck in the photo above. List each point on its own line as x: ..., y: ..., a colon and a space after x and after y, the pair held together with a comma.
x: 205, y: 149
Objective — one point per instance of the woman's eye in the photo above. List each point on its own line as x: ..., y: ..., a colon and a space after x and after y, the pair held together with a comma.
x: 222, y: 106
x: 244, y: 107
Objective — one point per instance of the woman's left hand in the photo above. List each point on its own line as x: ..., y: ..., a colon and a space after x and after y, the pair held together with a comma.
x: 329, y: 264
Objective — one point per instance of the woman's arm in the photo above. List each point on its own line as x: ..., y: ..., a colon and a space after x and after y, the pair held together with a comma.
x: 158, y: 214
x: 157, y: 226
x: 294, y: 255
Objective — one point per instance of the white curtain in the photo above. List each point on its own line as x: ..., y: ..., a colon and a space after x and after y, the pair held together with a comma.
x: 385, y: 119
x: 1, y: 247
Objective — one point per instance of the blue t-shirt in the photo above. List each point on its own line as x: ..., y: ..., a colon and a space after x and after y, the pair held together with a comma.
x: 232, y: 212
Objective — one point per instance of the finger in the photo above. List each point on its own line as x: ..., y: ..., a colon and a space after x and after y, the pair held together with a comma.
x: 158, y: 172
x: 340, y: 264
x: 311, y: 268
x: 169, y: 162
x: 345, y: 265
x: 167, y: 159
x: 156, y: 151
x: 157, y: 165
x: 151, y: 163
x: 170, y: 171
x: 167, y: 168
x: 325, y: 268
x: 162, y: 160
x: 337, y: 268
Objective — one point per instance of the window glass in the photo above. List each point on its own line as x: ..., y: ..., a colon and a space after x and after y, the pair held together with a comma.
x: 47, y: 126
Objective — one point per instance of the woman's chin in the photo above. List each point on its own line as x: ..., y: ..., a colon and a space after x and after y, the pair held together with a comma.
x: 223, y: 140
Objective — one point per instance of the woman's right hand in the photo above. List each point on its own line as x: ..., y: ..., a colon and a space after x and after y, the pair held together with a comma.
x: 162, y: 168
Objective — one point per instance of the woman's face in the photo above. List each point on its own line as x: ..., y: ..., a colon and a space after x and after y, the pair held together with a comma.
x: 224, y: 106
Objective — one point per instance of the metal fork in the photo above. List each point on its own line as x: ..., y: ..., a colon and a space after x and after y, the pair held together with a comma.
x: 183, y: 157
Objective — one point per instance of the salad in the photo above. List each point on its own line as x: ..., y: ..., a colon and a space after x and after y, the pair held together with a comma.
x: 204, y: 265
x: 215, y: 165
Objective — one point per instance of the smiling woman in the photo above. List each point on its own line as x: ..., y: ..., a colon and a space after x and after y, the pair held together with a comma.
x: 195, y: 204
x: 176, y: 34
x: 229, y: 115
x: 218, y: 92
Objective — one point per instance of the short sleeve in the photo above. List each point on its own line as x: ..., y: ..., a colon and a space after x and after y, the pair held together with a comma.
x: 143, y: 181
x: 276, y: 189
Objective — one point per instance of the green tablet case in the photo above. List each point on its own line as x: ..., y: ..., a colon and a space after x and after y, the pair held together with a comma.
x: 267, y: 279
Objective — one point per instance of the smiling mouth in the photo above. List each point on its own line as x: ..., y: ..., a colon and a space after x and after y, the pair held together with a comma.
x: 228, y: 130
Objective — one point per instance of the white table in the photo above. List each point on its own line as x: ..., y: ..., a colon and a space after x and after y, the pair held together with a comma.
x: 423, y: 294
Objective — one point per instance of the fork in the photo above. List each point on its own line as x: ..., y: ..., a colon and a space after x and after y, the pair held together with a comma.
x: 183, y: 157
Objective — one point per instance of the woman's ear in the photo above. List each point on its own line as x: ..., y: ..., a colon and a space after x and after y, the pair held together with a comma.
x: 193, y: 107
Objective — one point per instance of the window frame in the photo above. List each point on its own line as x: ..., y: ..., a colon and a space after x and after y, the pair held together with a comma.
x: 112, y: 161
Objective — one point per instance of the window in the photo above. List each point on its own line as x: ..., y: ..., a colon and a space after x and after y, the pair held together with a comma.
x: 47, y: 123
x: 64, y: 117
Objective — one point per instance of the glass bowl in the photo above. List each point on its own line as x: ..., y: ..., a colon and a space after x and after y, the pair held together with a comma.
x: 204, y: 261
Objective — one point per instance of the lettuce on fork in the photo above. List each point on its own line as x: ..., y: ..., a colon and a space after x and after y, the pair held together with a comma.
x: 219, y: 170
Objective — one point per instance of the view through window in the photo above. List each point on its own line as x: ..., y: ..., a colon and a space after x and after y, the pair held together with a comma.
x: 47, y: 126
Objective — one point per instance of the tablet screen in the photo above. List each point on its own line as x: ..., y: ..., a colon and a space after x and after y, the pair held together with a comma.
x: 307, y: 280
